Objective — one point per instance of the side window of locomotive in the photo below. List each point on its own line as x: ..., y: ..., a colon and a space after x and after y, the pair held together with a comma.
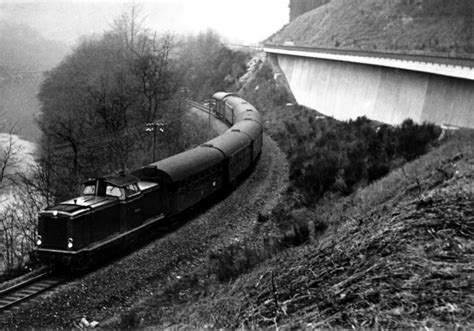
x: 131, y: 189
x: 113, y: 191
x: 88, y: 190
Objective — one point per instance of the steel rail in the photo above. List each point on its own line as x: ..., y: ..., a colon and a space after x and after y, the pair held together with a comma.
x: 26, y: 290
x: 199, y: 106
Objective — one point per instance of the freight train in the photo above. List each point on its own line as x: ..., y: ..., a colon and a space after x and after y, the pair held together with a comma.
x: 117, y: 210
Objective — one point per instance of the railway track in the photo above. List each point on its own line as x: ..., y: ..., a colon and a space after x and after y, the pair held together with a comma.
x: 17, y: 294
x: 198, y: 106
x: 207, y: 110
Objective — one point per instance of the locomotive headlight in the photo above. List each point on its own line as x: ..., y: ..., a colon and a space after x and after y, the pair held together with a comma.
x: 70, y: 243
x: 39, y: 242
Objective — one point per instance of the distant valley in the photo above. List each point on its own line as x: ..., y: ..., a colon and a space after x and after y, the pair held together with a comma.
x: 24, y: 56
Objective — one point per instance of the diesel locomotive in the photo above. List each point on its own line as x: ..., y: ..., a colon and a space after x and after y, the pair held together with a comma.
x: 116, y: 210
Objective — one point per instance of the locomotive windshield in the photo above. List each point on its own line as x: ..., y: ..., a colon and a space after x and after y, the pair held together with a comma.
x: 88, y: 189
x: 101, y: 187
x: 131, y: 189
x: 113, y: 191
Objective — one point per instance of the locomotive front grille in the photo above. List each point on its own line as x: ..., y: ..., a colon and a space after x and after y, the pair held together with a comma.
x: 53, y: 232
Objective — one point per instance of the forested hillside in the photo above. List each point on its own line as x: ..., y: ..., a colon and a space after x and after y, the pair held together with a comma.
x: 399, y: 25
x: 24, y: 49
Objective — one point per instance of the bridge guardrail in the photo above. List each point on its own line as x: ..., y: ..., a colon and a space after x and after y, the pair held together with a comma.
x: 462, y: 60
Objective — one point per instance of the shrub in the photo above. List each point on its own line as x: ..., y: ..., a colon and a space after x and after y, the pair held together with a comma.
x: 415, y: 139
x: 233, y: 260
x: 329, y: 156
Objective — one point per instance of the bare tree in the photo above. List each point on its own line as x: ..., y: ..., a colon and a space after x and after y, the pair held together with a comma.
x: 18, y: 221
x: 153, y: 68
x: 129, y: 25
x: 9, y: 151
x: 17, y: 212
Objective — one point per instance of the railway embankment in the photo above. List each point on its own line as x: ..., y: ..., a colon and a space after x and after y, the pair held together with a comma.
x: 174, y: 264
x: 398, y: 253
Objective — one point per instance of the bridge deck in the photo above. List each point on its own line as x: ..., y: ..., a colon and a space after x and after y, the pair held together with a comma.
x: 459, y: 66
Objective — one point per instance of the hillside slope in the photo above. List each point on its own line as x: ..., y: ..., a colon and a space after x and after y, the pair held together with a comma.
x: 401, y: 256
x: 400, y: 25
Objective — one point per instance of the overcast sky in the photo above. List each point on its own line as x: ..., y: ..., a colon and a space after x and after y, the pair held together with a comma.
x: 246, y: 21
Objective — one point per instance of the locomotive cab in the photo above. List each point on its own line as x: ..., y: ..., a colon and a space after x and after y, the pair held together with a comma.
x: 122, y: 187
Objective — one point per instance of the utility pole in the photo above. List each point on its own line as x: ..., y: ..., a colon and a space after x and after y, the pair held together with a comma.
x: 155, y: 127
x: 209, y: 112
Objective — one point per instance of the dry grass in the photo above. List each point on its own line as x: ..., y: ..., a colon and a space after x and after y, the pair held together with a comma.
x: 435, y: 26
x: 399, y: 254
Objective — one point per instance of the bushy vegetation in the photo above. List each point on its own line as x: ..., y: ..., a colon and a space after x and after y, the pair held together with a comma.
x: 207, y: 66
x: 329, y: 156
x: 332, y: 156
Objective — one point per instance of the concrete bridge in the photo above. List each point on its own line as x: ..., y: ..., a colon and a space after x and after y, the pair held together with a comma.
x: 388, y: 87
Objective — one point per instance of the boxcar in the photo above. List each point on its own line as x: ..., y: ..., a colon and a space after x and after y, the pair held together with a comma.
x: 224, y: 109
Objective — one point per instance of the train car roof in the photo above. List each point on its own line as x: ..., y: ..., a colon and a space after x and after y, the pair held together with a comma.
x: 237, y: 102
x: 249, y: 114
x: 222, y: 95
x: 250, y: 127
x: 230, y: 141
x: 182, y: 165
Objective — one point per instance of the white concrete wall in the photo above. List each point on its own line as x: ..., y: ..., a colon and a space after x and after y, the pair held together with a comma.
x: 347, y: 90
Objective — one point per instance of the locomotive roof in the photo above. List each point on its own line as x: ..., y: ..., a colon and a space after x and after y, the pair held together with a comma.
x: 119, y: 179
x: 182, y: 165
x: 229, y: 142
